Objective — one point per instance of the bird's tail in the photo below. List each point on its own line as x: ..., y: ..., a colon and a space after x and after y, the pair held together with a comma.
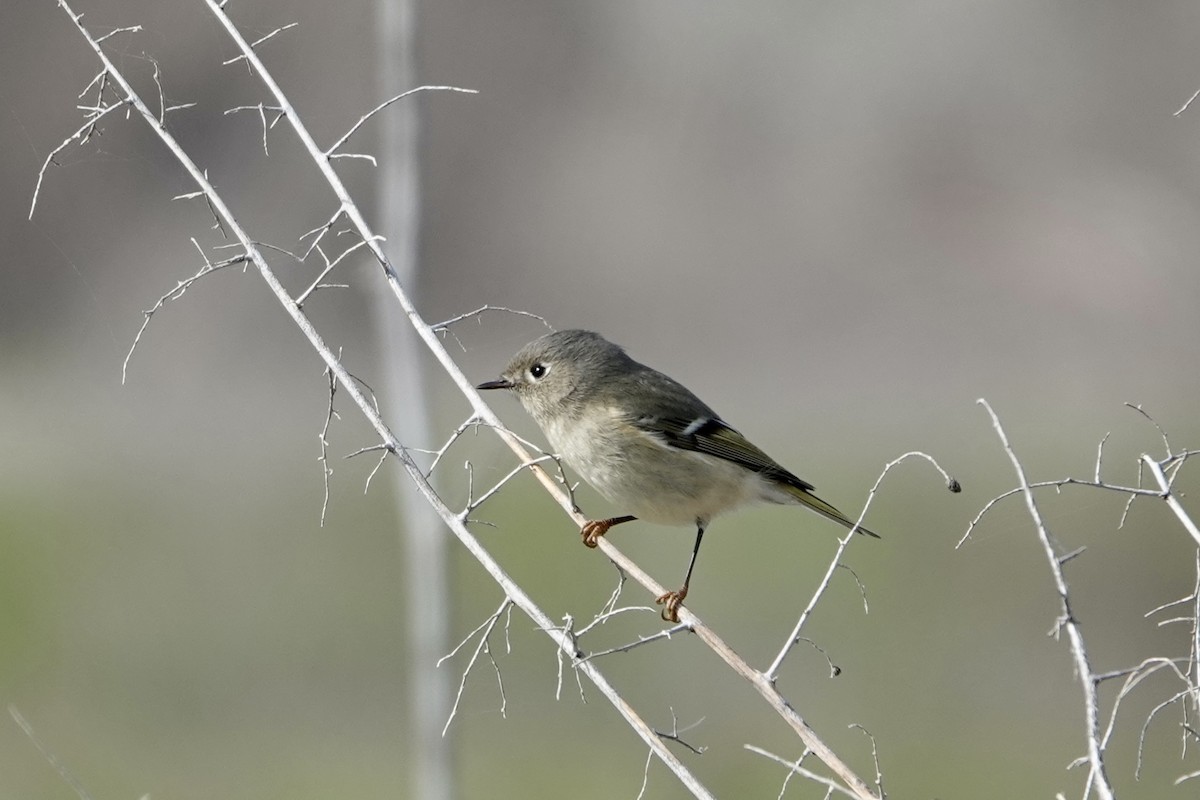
x: 807, y: 498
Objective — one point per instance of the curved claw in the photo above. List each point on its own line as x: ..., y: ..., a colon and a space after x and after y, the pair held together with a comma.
x: 593, y: 529
x: 671, y: 601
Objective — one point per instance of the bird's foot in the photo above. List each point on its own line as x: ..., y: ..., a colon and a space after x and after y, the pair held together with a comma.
x: 593, y: 529
x: 671, y: 601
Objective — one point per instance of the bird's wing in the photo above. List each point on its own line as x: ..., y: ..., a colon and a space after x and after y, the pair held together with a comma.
x: 713, y: 436
x: 671, y: 413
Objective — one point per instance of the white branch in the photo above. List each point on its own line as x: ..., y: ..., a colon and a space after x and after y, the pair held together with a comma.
x: 794, y: 766
x: 354, y: 128
x: 772, y: 672
x: 252, y: 253
x: 765, y: 687
x: 1097, y: 777
x: 1172, y: 501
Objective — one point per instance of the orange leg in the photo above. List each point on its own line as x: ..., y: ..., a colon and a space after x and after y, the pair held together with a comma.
x: 593, y: 529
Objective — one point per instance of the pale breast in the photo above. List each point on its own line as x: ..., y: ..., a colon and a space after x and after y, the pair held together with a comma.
x: 642, y: 475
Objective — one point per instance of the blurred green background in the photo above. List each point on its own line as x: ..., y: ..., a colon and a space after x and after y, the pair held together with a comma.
x: 839, y: 223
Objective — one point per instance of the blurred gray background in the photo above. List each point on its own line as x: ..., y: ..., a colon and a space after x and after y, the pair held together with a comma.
x: 839, y: 223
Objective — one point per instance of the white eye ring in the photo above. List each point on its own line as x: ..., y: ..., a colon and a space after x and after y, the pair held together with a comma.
x: 538, y: 371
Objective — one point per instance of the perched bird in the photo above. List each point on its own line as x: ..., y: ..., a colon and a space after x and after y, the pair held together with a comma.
x: 644, y: 441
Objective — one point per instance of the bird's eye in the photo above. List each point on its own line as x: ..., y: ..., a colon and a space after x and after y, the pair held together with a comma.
x: 537, y: 371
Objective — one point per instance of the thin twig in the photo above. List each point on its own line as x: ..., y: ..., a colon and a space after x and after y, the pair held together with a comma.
x: 51, y: 759
x: 1184, y: 107
x: 795, y: 767
x: 772, y: 672
x: 259, y: 40
x: 1098, y: 777
x: 666, y: 633
x: 84, y: 132
x: 353, y: 128
x: 179, y: 290
x: 389, y: 443
x: 456, y: 525
x: 676, y: 734
x: 484, y: 630
x: 326, y: 470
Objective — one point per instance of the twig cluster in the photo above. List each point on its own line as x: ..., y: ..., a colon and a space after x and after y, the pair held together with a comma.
x: 113, y: 91
x: 1186, y: 670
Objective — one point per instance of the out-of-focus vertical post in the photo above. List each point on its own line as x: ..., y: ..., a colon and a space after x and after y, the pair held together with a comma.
x: 407, y: 408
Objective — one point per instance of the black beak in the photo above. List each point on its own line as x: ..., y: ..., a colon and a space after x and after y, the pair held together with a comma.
x: 499, y: 383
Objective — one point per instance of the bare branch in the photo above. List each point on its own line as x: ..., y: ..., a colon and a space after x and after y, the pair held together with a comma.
x: 445, y: 325
x: 1184, y: 107
x: 81, y: 135
x: 51, y: 759
x: 611, y: 603
x: 772, y: 672
x: 676, y: 734
x: 329, y: 267
x: 262, y: 116
x: 326, y: 470
x: 795, y: 767
x: 666, y: 633
x: 179, y: 290
x: 834, y: 669
x: 115, y: 31
x: 560, y: 656
x: 1097, y: 776
x: 1132, y: 491
x: 645, y: 775
x: 1100, y: 455
x: 383, y: 456
x: 474, y: 503
x: 1156, y: 471
x: 484, y: 630
x: 318, y: 233
x: 1138, y: 408
x: 353, y: 128
x: 470, y: 422
x: 874, y: 758
x: 513, y: 591
x: 258, y: 41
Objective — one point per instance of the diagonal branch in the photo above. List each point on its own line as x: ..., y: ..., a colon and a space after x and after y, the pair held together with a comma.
x: 761, y: 683
x: 254, y: 255
x: 772, y: 672
x: 251, y: 252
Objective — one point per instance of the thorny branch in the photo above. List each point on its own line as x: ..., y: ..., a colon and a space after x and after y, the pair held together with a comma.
x: 1185, y: 670
x: 445, y: 325
x: 772, y: 672
x: 326, y: 470
x: 262, y: 116
x: 796, y: 768
x: 484, y: 630
x: 676, y: 734
x: 1098, y: 776
x: 347, y: 209
x: 81, y: 135
x: 252, y: 252
x: 330, y: 153
x: 176, y: 293
x: 665, y: 633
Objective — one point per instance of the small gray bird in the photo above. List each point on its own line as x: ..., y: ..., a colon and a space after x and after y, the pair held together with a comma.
x: 644, y: 441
